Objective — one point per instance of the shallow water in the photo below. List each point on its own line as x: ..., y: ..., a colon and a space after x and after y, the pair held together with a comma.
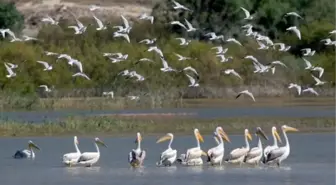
x: 312, y: 161
x: 199, y: 113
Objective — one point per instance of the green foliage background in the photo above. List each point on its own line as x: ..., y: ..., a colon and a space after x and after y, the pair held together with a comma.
x: 221, y: 16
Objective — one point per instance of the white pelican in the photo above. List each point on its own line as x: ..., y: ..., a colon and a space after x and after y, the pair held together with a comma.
x: 193, y: 155
x: 137, y: 156
x: 247, y: 93
x: 280, y: 154
x: 26, y: 153
x: 167, y: 157
x: 256, y: 153
x: 90, y: 158
x: 72, y: 158
x: 216, y: 154
x: 237, y: 155
x: 276, y: 138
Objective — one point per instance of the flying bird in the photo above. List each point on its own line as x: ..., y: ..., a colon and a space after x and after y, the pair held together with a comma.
x: 82, y: 75
x: 295, y: 30
x: 10, y: 71
x: 181, y: 58
x: 191, y: 69
x: 247, y: 14
x: 234, y: 41
x: 179, y: 6
x: 318, y: 81
x: 233, y: 72
x: 184, y: 42
x: 308, y: 52
x: 311, y: 90
x: 100, y: 24
x: 247, y: 93
x: 308, y: 64
x: 45, y: 87
x: 47, y: 67
x: 50, y: 20
x: 293, y: 14
x: 319, y: 69
x: 156, y: 49
x: 296, y: 86
x: 220, y: 50
x: 12, y: 66
x: 192, y: 80
x: 144, y: 16
x: 116, y: 34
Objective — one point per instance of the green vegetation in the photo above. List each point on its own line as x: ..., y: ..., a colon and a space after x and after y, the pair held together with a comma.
x: 23, y: 90
x: 10, y: 17
x: 150, y: 125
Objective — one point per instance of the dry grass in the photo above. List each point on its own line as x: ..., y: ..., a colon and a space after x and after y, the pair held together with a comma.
x: 125, y: 126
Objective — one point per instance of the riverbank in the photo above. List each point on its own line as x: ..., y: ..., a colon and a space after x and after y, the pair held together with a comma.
x: 121, y: 103
x: 111, y: 126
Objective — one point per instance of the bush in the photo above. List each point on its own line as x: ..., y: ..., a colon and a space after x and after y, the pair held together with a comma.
x: 10, y: 17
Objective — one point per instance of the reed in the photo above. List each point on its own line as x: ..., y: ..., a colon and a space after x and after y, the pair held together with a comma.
x: 111, y: 125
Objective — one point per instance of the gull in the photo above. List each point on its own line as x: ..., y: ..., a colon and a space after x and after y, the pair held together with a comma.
x: 232, y: 71
x: 192, y: 80
x: 80, y: 28
x: 298, y: 87
x: 190, y: 27
x: 308, y: 52
x: 252, y: 58
x: 66, y: 56
x: 48, y: 53
x: 310, y: 90
x: 133, y: 97
x: 190, y: 69
x: 46, y: 89
x: 47, y: 67
x: 179, y: 6
x: 94, y: 7
x: 223, y: 58
x: 148, y: 41
x: 8, y: 31
x: 118, y: 55
x: 50, y: 20
x: 184, y: 42
x: 295, y: 30
x: 127, y: 27
x: 166, y: 68
x: 181, y: 58
x: 262, y: 46
x: 247, y: 14
x: 328, y: 41
x: 247, y: 93
x: 144, y: 16
x: 318, y: 81
x: 111, y: 93
x: 101, y: 26
x: 220, y: 50
x: 319, y: 69
x: 333, y: 32
x: 27, y: 38
x: 124, y: 72
x: 10, y: 71
x: 12, y: 66
x: 293, y: 14
x: 308, y: 64
x: 213, y: 36
x: 138, y: 76
x: 156, y: 49
x: 117, y: 34
x: 82, y: 75
x: 143, y: 60
x: 233, y: 40
x: 278, y: 62
x: 178, y: 23
x: 78, y: 64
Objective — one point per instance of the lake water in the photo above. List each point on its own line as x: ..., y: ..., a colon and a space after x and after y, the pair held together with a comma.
x: 200, y: 113
x: 311, y: 161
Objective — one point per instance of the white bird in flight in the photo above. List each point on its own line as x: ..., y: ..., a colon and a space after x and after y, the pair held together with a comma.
x: 232, y: 71
x: 156, y: 49
x: 308, y: 52
x: 311, y: 90
x: 10, y: 71
x: 319, y: 69
x: 223, y: 58
x: 100, y: 24
x: 234, y: 41
x: 298, y: 87
x: 308, y: 64
x: 220, y: 49
x: 318, y: 81
x: 125, y: 35
x: 148, y: 41
x: 181, y: 58
x: 46, y: 89
x: 47, y: 67
x: 295, y: 30
x: 192, y: 80
x: 183, y: 41
x: 12, y: 66
x: 293, y: 14
x: 82, y: 75
x: 179, y: 6
x: 213, y: 36
x: 8, y: 31
x: 50, y: 20
x: 190, y: 26
x: 189, y: 68
x: 166, y: 68
x: 247, y: 14
x: 247, y: 93
x: 144, y: 16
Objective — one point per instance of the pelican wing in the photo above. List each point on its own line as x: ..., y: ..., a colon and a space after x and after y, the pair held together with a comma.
x: 88, y: 156
x: 254, y: 152
x: 276, y: 153
x: 167, y: 154
x: 237, y: 153
x: 22, y: 154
